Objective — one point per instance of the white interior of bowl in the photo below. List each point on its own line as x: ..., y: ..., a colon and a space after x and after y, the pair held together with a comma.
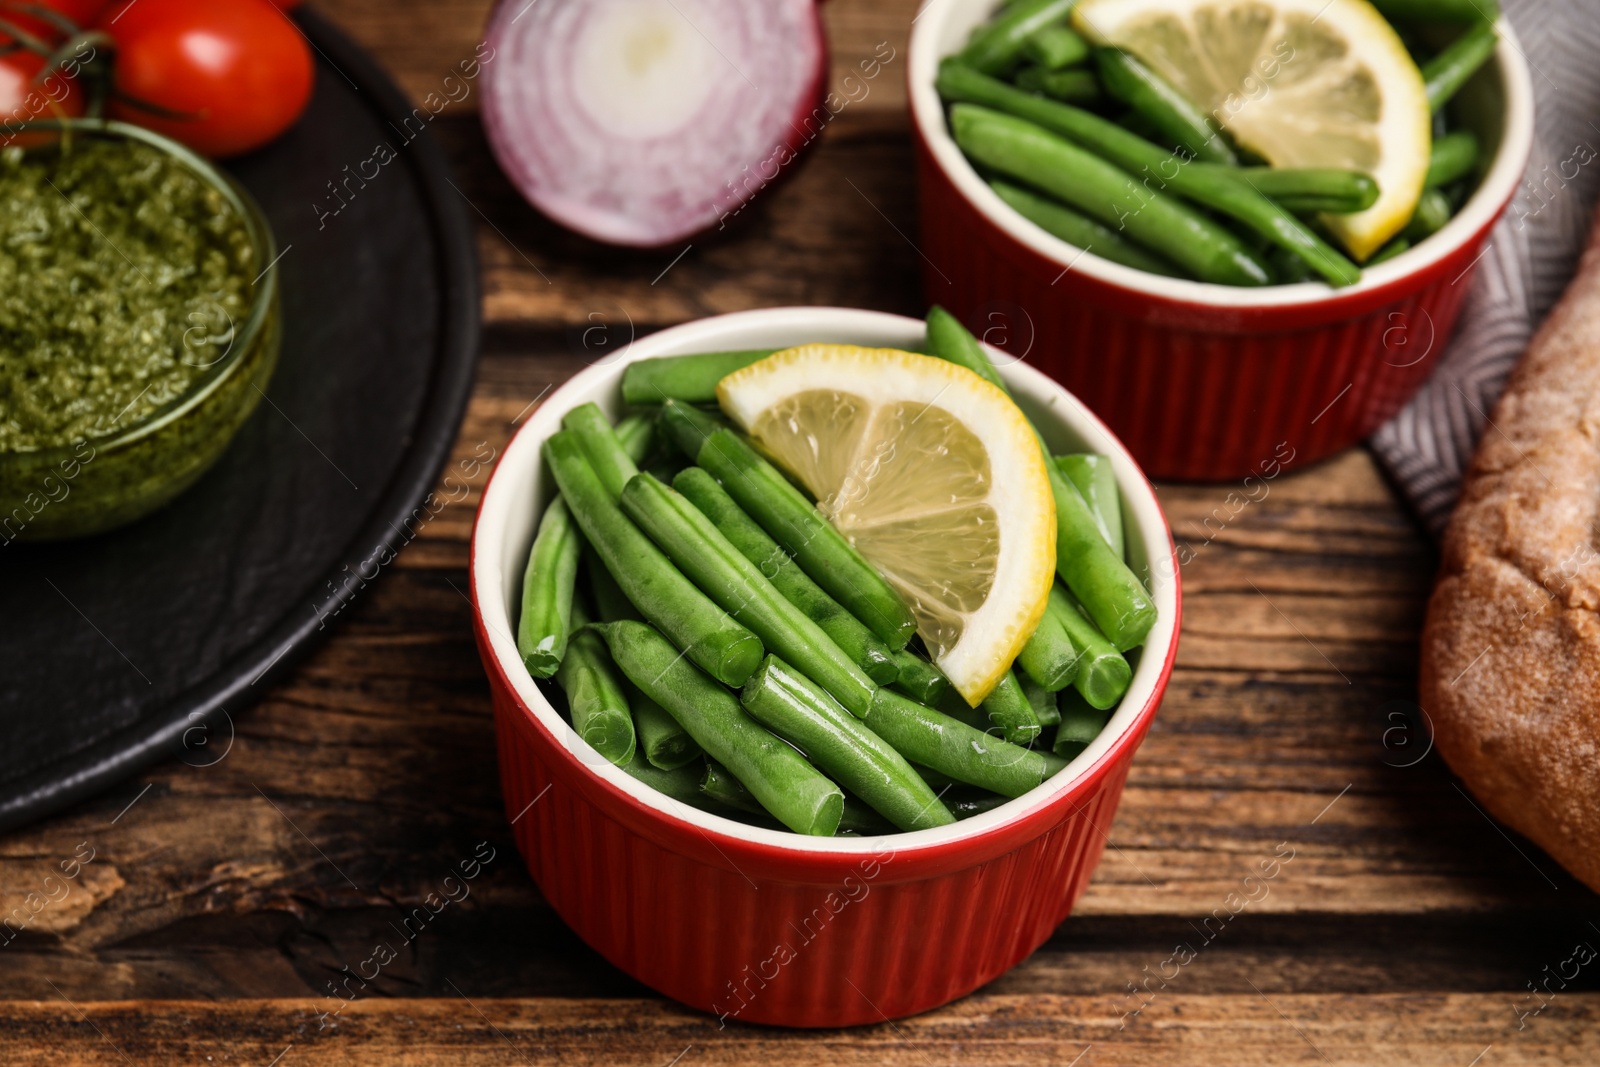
x: 521, y: 488
x: 942, y: 28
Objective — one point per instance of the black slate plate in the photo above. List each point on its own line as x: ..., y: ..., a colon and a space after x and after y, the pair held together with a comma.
x: 141, y: 644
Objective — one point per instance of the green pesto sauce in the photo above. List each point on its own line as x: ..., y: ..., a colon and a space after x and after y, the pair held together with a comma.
x: 123, y: 276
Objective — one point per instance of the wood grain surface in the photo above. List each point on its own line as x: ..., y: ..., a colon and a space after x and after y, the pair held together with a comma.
x: 216, y: 899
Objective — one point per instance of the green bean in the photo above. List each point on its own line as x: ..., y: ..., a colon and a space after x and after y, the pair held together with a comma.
x: 723, y: 573
x: 781, y: 779
x: 1438, y: 10
x: 1389, y: 251
x: 919, y: 679
x: 745, y: 534
x: 719, y: 785
x: 1050, y: 658
x: 1445, y: 74
x: 1287, y: 269
x: 689, y: 378
x: 661, y: 593
x: 665, y: 467
x: 1213, y: 187
x: 951, y: 747
x: 1080, y: 230
x: 792, y: 521
x: 937, y: 782
x: 596, y: 702
x: 1068, y: 86
x: 689, y: 427
x: 1138, y: 125
x: 544, y: 622
x: 636, y: 434
x: 665, y: 744
x: 798, y: 710
x: 1304, y: 190
x: 1104, y: 673
x: 1174, y: 114
x: 956, y: 706
x: 681, y: 784
x: 952, y: 342
x: 1026, y: 151
x: 996, y: 46
x: 1055, y: 47
x: 1433, y: 211
x: 1116, y: 599
x: 609, y: 601
x: 722, y: 788
x: 607, y: 456
x: 1453, y: 157
x: 1009, y: 711
x: 967, y: 804
x: 859, y: 818
x: 1097, y: 481
x: 1301, y: 206
x: 1045, y: 706
x: 1081, y: 723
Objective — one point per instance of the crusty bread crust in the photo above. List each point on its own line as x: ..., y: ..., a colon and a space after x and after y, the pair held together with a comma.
x: 1511, y: 647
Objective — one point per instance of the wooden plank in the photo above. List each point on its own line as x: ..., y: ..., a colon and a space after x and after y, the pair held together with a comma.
x: 370, y: 765
x: 357, y: 783
x: 369, y: 771
x: 1227, y: 1031
x: 518, y: 948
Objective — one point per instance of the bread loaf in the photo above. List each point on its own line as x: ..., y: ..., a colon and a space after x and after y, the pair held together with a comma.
x: 1511, y: 646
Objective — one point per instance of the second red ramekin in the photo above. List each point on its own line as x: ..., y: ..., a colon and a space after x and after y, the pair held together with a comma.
x: 1200, y: 381
x: 766, y: 926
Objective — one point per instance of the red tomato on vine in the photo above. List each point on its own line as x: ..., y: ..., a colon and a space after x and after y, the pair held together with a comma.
x: 80, y: 13
x: 24, y: 96
x: 221, y: 76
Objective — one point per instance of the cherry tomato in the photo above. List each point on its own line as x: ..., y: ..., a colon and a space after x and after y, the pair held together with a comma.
x: 239, y: 70
x: 22, y: 99
x: 81, y: 13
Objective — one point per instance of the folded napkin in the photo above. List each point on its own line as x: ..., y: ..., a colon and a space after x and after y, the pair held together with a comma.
x: 1529, y: 259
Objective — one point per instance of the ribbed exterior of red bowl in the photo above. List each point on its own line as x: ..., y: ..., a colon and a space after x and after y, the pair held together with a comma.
x: 1196, y: 392
x: 775, y: 936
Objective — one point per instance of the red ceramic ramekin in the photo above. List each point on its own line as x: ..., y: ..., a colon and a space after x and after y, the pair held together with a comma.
x: 772, y: 927
x: 1201, y: 381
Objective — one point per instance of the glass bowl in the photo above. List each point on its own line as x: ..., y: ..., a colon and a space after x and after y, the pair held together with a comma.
x: 109, y: 480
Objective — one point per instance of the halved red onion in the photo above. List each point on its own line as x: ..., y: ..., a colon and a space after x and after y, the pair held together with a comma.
x: 642, y: 122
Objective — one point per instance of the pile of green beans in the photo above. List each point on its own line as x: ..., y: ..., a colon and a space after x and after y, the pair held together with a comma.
x: 1095, y: 148
x: 718, y: 640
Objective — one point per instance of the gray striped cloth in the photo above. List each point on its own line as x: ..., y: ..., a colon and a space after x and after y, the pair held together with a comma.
x: 1531, y: 256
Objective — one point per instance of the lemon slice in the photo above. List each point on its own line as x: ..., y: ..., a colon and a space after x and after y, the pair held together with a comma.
x: 1301, y: 83
x: 933, y: 474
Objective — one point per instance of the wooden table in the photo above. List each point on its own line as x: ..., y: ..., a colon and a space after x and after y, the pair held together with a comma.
x: 222, y: 900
